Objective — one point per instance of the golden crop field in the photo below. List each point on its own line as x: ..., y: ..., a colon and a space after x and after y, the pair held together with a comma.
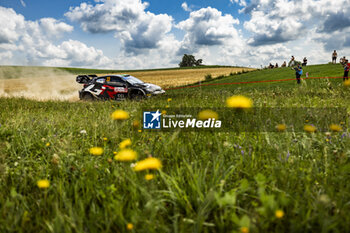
x: 168, y: 78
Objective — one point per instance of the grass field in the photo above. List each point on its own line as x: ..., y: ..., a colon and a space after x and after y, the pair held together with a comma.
x: 213, y: 181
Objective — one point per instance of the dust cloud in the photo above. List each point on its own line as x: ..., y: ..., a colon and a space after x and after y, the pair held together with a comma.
x: 38, y: 83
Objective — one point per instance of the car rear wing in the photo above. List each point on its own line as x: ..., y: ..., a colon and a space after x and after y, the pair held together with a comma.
x: 82, y: 79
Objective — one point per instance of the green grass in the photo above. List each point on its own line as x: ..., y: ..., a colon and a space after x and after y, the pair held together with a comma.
x: 210, y: 181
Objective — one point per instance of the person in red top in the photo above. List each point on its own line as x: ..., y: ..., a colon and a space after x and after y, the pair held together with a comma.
x: 346, y: 69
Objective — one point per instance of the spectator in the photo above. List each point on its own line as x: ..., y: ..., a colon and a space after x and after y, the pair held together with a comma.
x: 271, y: 66
x: 276, y: 66
x: 291, y: 62
x: 304, y: 61
x: 298, y: 72
x: 346, y: 69
x: 342, y: 60
x: 284, y: 64
x: 334, y: 57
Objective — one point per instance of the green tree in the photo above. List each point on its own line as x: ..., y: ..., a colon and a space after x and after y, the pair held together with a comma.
x: 189, y: 60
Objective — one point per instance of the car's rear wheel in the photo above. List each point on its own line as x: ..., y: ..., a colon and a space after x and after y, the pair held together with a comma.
x: 88, y: 97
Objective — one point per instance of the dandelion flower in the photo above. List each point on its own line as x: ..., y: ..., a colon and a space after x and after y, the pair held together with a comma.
x: 149, y: 177
x: 281, y: 127
x: 105, y: 139
x: 347, y: 83
x: 309, y: 128
x: 125, y: 143
x: 129, y: 226
x: 279, y: 213
x: 163, y: 112
x: 244, y: 229
x: 126, y: 155
x: 149, y: 163
x: 140, y: 131
x: 97, y: 151
x: 170, y: 99
x: 335, y: 128
x: 43, y: 184
x: 166, y: 106
x: 239, y: 101
x: 47, y: 144
x: 120, y: 115
x: 207, y: 114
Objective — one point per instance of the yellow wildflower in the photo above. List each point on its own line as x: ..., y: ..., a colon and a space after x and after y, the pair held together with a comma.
x: 244, y: 229
x: 126, y: 155
x: 47, y: 144
x: 43, y: 184
x: 96, y: 151
x: 125, y: 143
x: 140, y: 130
x: 309, y: 128
x: 335, y: 128
x: 120, y: 115
x: 163, y: 112
x: 347, y: 83
x: 149, y: 177
x: 239, y: 101
x: 149, y: 163
x: 170, y: 99
x: 166, y: 106
x: 129, y: 226
x: 206, y: 114
x: 279, y: 213
x: 281, y: 127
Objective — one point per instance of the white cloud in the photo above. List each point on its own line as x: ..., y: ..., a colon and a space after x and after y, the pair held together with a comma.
x: 31, y: 43
x: 278, y: 21
x: 23, y: 3
x: 185, y: 7
x: 52, y: 27
x: 208, y: 27
x: 138, y: 30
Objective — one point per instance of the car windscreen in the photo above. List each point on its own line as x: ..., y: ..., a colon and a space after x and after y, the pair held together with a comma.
x: 132, y: 80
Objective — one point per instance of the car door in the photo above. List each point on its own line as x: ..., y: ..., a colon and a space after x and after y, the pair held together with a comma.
x: 116, y: 87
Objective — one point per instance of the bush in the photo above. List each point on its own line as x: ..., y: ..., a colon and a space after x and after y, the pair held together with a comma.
x: 208, y: 77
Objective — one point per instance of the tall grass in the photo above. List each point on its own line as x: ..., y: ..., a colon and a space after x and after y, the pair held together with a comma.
x: 210, y: 181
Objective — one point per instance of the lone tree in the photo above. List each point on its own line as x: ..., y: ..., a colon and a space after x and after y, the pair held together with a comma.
x: 189, y: 60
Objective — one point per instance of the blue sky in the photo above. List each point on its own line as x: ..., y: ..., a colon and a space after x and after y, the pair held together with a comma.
x: 135, y: 34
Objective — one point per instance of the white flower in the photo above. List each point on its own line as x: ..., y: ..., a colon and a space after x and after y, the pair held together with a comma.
x: 83, y: 131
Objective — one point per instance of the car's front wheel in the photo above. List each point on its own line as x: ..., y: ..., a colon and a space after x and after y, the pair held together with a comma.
x: 136, y: 95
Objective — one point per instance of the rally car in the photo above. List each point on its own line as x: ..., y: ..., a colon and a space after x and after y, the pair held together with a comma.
x: 116, y: 87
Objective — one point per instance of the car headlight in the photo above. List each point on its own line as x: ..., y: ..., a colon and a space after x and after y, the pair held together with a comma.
x: 150, y: 89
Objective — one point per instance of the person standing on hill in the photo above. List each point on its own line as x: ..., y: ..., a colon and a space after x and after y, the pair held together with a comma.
x: 334, y: 57
x: 346, y: 70
x: 291, y: 62
x: 298, y: 72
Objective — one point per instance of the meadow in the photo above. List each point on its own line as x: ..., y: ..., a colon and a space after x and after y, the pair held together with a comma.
x: 208, y: 181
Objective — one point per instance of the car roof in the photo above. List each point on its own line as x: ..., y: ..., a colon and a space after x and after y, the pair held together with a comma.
x: 115, y: 75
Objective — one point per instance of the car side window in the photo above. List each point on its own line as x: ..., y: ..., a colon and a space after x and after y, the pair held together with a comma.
x: 116, y: 81
x: 100, y: 80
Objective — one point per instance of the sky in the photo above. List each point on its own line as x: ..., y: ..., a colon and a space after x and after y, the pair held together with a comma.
x: 136, y: 34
